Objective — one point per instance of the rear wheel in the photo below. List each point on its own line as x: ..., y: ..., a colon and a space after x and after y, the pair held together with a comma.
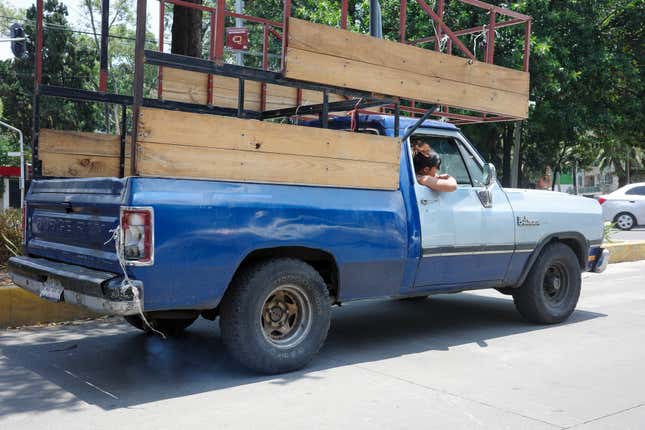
x: 169, y: 327
x: 625, y: 221
x: 275, y: 316
x: 552, y: 288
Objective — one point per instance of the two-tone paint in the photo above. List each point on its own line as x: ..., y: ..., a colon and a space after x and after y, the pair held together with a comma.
x: 383, y: 243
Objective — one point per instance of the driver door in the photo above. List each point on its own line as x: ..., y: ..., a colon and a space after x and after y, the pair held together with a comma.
x: 463, y: 242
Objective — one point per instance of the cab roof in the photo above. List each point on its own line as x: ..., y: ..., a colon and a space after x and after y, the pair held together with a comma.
x: 380, y: 122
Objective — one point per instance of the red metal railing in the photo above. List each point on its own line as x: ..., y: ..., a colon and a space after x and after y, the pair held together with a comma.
x: 217, y: 17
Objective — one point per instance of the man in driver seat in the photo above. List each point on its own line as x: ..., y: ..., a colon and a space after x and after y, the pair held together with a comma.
x: 427, y: 170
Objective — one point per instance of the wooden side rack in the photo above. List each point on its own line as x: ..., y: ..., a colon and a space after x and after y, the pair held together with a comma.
x: 210, y: 119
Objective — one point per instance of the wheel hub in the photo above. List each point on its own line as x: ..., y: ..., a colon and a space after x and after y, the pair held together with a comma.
x: 286, y: 316
x: 555, y: 284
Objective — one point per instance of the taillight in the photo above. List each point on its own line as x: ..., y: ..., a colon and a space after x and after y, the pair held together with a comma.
x: 137, y: 238
x: 601, y: 200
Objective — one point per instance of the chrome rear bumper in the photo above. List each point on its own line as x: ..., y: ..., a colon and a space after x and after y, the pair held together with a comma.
x: 98, y: 291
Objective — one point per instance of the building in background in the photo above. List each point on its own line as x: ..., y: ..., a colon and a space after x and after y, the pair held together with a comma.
x: 592, y: 182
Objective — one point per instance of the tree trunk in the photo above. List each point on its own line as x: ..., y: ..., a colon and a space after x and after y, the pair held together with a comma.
x: 187, y: 30
x: 506, y: 157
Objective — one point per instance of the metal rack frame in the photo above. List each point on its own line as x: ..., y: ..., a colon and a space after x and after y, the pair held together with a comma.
x: 357, y: 101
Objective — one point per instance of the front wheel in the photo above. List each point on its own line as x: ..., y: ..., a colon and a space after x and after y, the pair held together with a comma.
x: 275, y: 316
x: 552, y: 288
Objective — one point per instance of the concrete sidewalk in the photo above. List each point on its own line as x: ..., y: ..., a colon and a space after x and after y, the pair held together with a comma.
x: 457, y: 361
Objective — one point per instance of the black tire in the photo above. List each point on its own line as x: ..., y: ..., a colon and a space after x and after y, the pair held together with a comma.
x: 552, y: 288
x: 275, y: 316
x: 169, y: 327
x: 625, y: 221
x: 507, y: 291
x: 413, y: 299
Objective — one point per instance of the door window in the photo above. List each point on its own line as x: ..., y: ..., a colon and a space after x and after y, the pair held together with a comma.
x: 452, y: 161
x: 474, y: 168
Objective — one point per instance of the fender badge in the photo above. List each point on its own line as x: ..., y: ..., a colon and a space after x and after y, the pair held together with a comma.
x: 523, y: 221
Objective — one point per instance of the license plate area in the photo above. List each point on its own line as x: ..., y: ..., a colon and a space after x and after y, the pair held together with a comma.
x: 52, y: 290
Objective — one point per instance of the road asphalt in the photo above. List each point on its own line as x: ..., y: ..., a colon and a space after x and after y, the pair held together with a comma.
x: 457, y: 361
x: 637, y: 233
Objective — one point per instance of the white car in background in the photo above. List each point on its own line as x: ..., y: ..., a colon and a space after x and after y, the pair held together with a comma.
x: 625, y: 206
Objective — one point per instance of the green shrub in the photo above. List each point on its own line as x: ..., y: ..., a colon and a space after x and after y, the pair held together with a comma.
x: 608, y: 231
x: 10, y: 234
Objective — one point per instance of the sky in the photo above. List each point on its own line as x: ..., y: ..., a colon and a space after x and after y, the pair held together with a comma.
x: 76, y: 20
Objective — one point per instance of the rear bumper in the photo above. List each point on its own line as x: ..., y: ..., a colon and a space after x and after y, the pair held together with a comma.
x: 60, y: 282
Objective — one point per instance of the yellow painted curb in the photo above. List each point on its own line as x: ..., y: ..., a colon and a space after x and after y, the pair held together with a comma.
x: 620, y: 252
x: 19, y: 307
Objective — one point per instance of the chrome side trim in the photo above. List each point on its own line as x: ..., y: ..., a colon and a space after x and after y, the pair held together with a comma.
x: 468, y: 250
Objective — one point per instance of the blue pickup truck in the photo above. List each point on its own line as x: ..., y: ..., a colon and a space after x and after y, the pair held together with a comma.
x: 270, y: 260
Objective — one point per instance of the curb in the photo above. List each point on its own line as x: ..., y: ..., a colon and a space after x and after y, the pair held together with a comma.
x: 19, y: 307
x: 620, y: 252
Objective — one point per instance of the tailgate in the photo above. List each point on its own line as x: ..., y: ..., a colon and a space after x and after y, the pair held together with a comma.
x: 69, y: 220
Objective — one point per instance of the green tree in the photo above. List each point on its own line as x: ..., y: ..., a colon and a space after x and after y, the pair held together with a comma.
x: 68, y: 60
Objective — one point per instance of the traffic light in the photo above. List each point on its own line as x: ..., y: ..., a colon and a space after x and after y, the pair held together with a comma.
x: 18, y: 47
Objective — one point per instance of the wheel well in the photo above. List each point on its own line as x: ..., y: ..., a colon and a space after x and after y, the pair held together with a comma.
x: 577, y: 248
x: 322, y: 261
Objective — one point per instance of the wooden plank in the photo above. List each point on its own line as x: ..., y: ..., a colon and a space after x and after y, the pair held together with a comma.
x: 192, y: 87
x: 326, y: 69
x: 335, y: 42
x: 79, y: 154
x: 80, y: 142
x: 252, y: 136
x: 78, y: 166
x: 221, y: 164
x: 184, y: 86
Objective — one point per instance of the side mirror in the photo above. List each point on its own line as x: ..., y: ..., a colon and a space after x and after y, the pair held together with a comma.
x: 490, y: 175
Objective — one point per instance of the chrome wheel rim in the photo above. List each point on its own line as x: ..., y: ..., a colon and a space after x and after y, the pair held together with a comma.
x: 555, y: 285
x: 285, y: 318
x: 625, y: 221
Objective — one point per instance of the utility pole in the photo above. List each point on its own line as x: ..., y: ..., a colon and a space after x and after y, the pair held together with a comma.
x: 515, y: 167
x: 22, y: 163
x: 575, y: 177
x: 239, y: 23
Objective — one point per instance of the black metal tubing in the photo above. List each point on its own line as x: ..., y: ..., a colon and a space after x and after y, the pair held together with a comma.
x: 397, y: 114
x: 419, y: 122
x: 93, y: 96
x: 124, y: 134
x: 339, y: 106
x: 240, y: 98
x: 234, y: 71
x: 324, y: 114
x: 84, y: 95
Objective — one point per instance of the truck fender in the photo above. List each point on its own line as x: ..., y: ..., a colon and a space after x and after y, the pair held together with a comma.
x: 575, y: 240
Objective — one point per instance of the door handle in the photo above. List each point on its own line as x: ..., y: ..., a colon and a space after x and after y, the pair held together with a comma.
x: 426, y: 201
